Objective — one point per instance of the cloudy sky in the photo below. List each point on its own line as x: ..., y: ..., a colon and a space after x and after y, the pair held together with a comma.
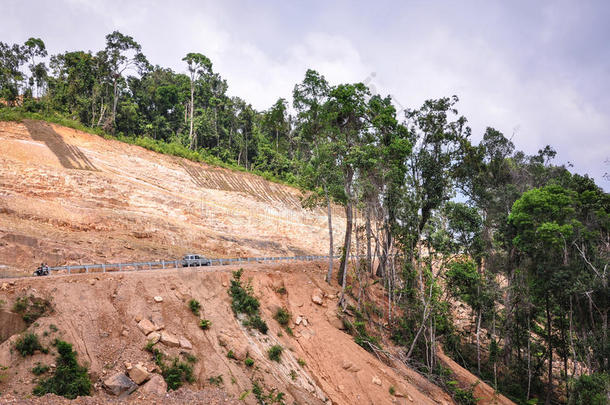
x: 539, y: 71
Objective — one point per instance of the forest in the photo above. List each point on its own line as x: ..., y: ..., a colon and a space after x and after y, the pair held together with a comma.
x: 520, y: 240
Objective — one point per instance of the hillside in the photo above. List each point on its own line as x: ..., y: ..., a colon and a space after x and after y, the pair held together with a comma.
x: 68, y: 197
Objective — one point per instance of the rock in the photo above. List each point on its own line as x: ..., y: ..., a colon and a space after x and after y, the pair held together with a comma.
x: 317, y: 297
x: 4, y: 287
x: 349, y: 366
x: 410, y: 397
x: 298, y: 320
x: 156, y: 385
x: 169, y: 340
x: 139, y: 317
x: 153, y: 337
x: 241, y: 352
x: 127, y: 365
x: 146, y: 326
x: 125, y: 332
x: 119, y: 384
x: 158, y: 298
x: 304, y: 322
x: 185, y: 344
x: 138, y: 374
x: 376, y: 380
x: 92, y: 281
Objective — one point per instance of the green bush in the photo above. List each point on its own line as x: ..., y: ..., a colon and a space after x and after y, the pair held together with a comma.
x: 257, y: 322
x: 275, y: 352
x: 69, y: 380
x: 31, y: 308
x: 205, y: 324
x: 230, y: 354
x: 591, y: 389
x: 244, y: 302
x: 195, y: 306
x: 177, y: 374
x: 27, y: 344
x: 392, y: 390
x: 282, y: 316
x: 301, y: 362
x: 216, y: 380
x: 249, y: 362
x: 40, y: 369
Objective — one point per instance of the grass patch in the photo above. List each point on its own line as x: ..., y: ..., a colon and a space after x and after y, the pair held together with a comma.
x: 190, y: 358
x: 40, y: 369
x: 27, y: 344
x: 230, y: 354
x: 301, y: 362
x: 205, y: 324
x: 69, y: 380
x: 195, y: 306
x: 293, y: 375
x: 282, y: 316
x: 217, y: 381
x: 244, y: 302
x: 275, y: 352
x: 249, y: 362
x: 267, y: 398
x: 175, y: 373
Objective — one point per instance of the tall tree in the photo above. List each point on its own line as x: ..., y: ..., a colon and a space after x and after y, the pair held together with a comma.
x: 198, y: 65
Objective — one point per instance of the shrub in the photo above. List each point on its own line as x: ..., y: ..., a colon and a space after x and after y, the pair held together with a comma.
x: 2, y: 302
x: 230, y: 354
x: 27, y: 344
x: 275, y: 352
x: 31, y: 308
x: 282, y: 316
x: 189, y: 357
x: 392, y: 390
x: 176, y: 374
x: 249, y: 362
x: 53, y: 328
x: 40, y: 369
x: 69, y: 380
x: 257, y: 322
x: 590, y: 389
x: 301, y: 362
x: 216, y: 380
x: 205, y: 324
x: 149, y: 346
x: 293, y: 375
x: 195, y: 306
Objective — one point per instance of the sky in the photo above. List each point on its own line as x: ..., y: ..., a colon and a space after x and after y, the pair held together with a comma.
x: 539, y: 71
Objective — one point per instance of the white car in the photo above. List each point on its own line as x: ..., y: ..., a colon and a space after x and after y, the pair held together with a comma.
x: 195, y: 261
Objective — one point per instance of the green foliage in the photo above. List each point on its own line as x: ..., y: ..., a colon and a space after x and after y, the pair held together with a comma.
x: 282, y: 316
x: 190, y: 358
x: 591, y: 389
x: 243, y: 301
x: 205, y: 324
x: 194, y: 306
x: 69, y: 379
x: 267, y: 398
x: 53, y: 328
x: 40, y: 369
x: 31, y: 308
x: 248, y: 362
x: 293, y: 375
x: 230, y: 354
x: 217, y: 381
x: 275, y: 352
x: 289, y: 331
x: 149, y: 346
x: 177, y: 373
x: 27, y: 344
x: 392, y: 390
x: 301, y: 362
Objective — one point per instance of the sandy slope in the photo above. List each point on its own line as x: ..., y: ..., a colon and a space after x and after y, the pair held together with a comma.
x: 69, y: 197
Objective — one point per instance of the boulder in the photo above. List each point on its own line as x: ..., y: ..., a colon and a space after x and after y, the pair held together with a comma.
x: 156, y: 385
x: 146, y: 326
x: 349, y: 366
x: 158, y: 298
x: 376, y: 380
x: 317, y: 297
x: 153, y: 337
x: 169, y: 340
x: 185, y: 344
x: 298, y: 321
x: 138, y: 374
x: 240, y: 352
x: 119, y: 384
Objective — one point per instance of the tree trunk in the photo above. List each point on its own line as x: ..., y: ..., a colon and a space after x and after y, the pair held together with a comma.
x: 369, y: 261
x: 114, y: 104
x: 479, y: 316
x: 330, y: 236
x: 348, y: 236
x: 549, y: 386
x: 191, y: 137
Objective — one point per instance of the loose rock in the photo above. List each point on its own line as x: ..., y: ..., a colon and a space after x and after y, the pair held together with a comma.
x: 317, y: 297
x: 376, y: 380
x: 156, y: 385
x: 185, y: 344
x: 138, y: 374
x: 169, y: 340
x: 158, y: 298
x: 153, y: 337
x: 119, y: 384
x: 146, y: 326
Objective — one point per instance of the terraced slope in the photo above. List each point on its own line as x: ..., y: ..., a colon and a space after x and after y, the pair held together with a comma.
x: 69, y: 197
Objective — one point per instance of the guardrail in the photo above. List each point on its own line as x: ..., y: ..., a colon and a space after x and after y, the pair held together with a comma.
x: 170, y: 264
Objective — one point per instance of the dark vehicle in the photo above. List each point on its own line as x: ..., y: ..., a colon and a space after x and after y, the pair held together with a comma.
x: 195, y: 261
x: 42, y: 270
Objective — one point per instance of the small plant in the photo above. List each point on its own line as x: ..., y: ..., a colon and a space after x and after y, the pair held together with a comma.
x: 20, y: 305
x: 289, y: 331
x: 53, y: 328
x: 205, y: 324
x: 281, y: 290
x: 301, y: 362
x: 2, y: 302
x: 257, y: 322
x: 149, y: 346
x: 293, y: 375
x: 40, y: 369
x: 31, y: 308
x: 392, y: 390
x: 280, y: 334
x: 217, y: 381
x: 244, y: 395
x: 275, y: 352
x: 190, y: 358
x: 195, y: 306
x: 249, y: 362
x: 176, y: 374
x: 282, y: 316
x: 230, y: 354
x: 27, y: 344
x: 244, y: 302
x: 69, y: 380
